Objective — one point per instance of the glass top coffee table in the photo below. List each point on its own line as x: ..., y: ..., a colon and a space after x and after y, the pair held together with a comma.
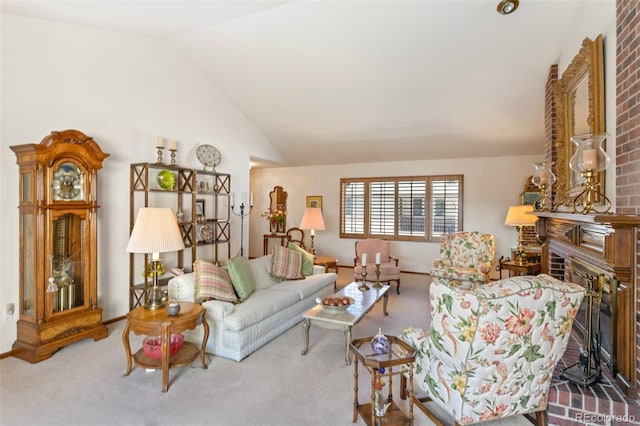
x: 344, y: 319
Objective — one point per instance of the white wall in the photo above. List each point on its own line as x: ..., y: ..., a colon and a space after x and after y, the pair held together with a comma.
x: 491, y: 185
x: 123, y: 91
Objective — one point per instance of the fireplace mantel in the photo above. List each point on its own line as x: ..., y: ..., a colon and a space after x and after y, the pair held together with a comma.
x: 608, y: 242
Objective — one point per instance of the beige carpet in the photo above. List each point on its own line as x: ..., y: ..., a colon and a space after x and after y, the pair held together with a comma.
x: 83, y: 384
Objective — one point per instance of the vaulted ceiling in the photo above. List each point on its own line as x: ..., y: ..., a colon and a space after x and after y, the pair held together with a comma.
x: 361, y: 81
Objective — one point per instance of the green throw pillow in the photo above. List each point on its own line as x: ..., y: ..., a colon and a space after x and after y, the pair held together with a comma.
x: 307, y: 259
x: 241, y: 277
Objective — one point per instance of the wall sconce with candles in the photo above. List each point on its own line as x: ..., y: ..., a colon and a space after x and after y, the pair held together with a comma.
x: 312, y: 219
x: 589, y: 159
x: 155, y: 231
x: 520, y: 216
x: 543, y: 178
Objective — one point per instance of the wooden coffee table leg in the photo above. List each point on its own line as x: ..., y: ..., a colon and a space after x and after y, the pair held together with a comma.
x: 306, y: 323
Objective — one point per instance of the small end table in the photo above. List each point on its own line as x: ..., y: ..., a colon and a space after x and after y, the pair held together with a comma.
x: 158, y: 322
x: 328, y: 263
x: 400, y: 353
x: 520, y: 268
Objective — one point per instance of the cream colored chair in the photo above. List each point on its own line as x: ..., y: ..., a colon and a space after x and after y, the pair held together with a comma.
x: 491, y: 349
x: 465, y: 256
x: 389, y: 270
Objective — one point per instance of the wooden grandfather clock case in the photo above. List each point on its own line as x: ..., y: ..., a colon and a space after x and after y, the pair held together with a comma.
x: 58, y: 244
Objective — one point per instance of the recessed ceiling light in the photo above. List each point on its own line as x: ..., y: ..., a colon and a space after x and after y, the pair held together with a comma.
x: 506, y: 7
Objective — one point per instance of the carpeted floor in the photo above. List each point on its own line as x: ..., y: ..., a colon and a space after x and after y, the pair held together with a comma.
x: 83, y: 384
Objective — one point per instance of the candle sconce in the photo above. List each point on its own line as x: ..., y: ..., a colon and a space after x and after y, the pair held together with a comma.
x: 590, y: 158
x: 363, y: 284
x: 377, y: 285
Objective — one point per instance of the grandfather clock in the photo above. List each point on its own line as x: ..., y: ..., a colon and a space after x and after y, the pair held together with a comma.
x: 58, y: 244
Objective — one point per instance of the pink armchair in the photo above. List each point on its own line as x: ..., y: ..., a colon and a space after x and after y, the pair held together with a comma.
x: 465, y: 256
x: 492, y: 348
x: 389, y: 270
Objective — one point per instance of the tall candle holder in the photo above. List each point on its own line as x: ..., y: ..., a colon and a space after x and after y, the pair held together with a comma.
x: 543, y: 178
x: 241, y: 213
x: 590, y: 158
x: 377, y: 284
x: 160, y: 159
x: 173, y: 156
x: 363, y: 284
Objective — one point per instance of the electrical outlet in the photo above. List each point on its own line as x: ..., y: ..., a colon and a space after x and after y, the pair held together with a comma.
x: 8, y: 312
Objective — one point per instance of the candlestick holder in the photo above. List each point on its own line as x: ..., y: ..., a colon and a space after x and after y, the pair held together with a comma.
x: 160, y: 159
x: 377, y: 284
x: 363, y: 284
x: 590, y: 196
x: 173, y: 156
x: 241, y: 213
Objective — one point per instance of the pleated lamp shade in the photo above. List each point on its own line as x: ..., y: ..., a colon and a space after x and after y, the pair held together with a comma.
x: 155, y: 231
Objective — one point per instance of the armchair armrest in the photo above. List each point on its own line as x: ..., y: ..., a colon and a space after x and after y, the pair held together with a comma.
x: 441, y: 263
x: 394, y: 259
x: 485, y: 267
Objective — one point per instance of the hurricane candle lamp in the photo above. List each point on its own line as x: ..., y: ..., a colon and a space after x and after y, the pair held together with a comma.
x: 589, y: 159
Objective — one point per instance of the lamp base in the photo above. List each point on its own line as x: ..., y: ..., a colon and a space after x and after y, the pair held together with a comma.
x: 156, y: 300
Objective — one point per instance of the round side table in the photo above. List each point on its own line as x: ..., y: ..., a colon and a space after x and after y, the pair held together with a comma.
x: 158, y: 322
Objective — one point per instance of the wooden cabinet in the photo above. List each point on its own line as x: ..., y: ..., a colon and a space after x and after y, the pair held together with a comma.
x: 201, y: 200
x: 58, y: 244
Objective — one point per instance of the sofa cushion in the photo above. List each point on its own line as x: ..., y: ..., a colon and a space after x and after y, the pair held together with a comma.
x: 307, y: 287
x: 261, y: 305
x: 241, y: 277
x: 261, y: 269
x: 286, y: 264
x: 307, y: 259
x: 212, y: 282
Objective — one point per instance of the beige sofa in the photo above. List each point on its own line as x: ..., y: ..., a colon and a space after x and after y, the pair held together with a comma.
x: 274, y: 307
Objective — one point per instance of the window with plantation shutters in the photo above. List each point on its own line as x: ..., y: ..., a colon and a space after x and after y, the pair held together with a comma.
x: 416, y: 208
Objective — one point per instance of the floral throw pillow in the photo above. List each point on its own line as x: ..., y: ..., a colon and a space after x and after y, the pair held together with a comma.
x: 286, y: 264
x: 212, y: 282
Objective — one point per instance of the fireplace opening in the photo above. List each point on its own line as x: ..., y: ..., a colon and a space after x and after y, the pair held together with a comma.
x: 590, y: 276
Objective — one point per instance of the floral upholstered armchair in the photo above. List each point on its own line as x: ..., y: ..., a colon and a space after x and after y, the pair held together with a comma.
x: 492, y: 348
x: 465, y: 256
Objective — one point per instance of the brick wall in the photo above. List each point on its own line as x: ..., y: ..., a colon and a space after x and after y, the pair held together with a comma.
x: 628, y: 117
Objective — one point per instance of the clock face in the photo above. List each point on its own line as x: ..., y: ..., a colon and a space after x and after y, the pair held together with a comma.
x: 209, y: 156
x: 68, y: 183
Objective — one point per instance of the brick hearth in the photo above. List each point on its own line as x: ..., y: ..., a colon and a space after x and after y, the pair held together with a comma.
x: 602, y: 403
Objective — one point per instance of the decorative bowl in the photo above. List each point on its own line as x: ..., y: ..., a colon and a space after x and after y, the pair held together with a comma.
x: 173, y: 309
x: 166, y: 179
x: 336, y: 303
x: 152, y: 345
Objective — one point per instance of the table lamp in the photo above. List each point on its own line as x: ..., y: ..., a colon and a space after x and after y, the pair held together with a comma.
x: 155, y: 231
x: 520, y: 216
x: 312, y: 219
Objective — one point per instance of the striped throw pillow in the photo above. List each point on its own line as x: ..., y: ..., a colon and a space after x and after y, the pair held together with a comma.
x: 212, y: 282
x: 286, y: 264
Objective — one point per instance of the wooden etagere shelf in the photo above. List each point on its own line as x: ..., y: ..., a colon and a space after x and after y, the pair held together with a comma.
x: 193, y: 191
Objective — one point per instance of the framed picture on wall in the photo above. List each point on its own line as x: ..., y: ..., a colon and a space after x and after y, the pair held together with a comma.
x: 199, y: 207
x: 314, y: 201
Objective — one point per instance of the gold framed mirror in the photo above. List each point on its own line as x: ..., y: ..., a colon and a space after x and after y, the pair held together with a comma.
x: 579, y: 97
x: 278, y: 209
